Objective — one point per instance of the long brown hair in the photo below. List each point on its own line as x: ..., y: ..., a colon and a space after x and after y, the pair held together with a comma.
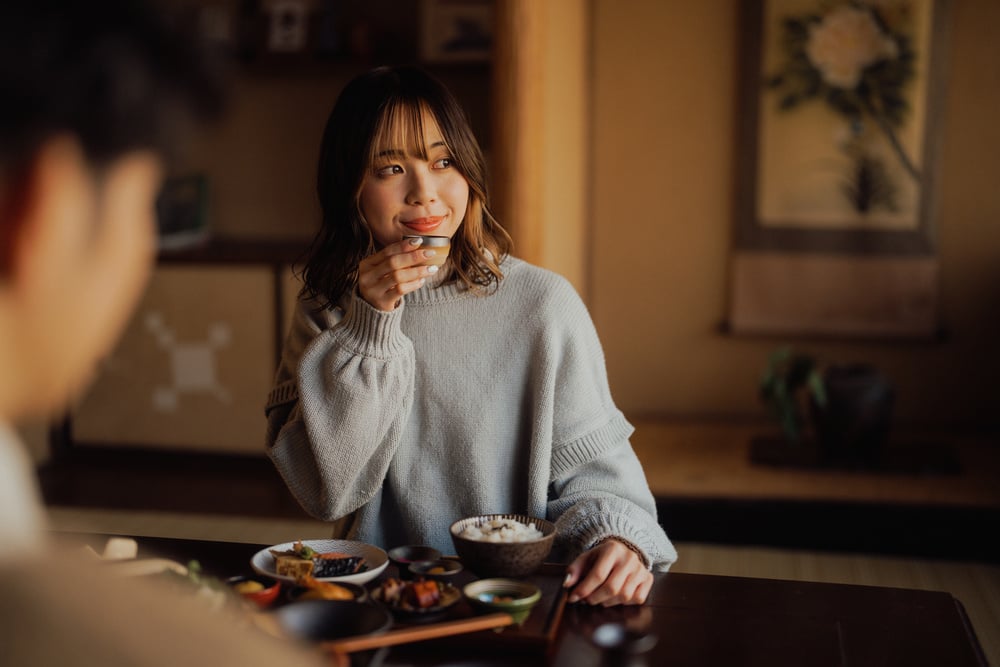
x: 372, y: 107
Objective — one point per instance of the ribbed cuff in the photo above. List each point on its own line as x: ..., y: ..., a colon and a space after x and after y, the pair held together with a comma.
x: 373, y: 332
x: 605, y: 527
x: 647, y: 563
x: 591, y: 521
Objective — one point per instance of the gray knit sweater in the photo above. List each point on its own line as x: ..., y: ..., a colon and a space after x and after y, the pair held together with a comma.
x: 457, y: 404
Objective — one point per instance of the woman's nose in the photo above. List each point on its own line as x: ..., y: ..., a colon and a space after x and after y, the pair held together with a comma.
x: 422, y: 189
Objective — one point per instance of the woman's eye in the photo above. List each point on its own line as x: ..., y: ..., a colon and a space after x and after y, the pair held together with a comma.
x: 443, y: 163
x: 389, y: 170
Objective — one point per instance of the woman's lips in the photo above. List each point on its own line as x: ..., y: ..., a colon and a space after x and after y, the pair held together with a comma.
x: 424, y: 225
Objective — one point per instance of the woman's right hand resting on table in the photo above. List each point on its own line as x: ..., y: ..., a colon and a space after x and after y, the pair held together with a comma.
x: 397, y: 269
x: 608, y: 574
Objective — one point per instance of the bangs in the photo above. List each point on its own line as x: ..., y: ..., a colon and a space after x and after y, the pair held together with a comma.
x: 400, y: 129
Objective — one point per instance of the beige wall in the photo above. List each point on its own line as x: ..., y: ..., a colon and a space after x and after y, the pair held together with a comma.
x: 664, y: 111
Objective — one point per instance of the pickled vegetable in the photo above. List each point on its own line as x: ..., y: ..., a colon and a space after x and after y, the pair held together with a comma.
x: 246, y: 587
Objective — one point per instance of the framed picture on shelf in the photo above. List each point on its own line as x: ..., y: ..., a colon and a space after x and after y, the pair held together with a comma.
x: 456, y: 30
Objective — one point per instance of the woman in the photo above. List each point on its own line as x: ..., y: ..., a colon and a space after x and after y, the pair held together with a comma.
x: 409, y: 397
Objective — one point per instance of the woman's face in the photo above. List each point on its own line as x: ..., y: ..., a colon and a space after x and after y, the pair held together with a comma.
x: 404, y: 193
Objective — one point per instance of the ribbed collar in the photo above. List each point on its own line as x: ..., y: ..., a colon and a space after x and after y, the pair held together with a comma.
x: 433, y: 292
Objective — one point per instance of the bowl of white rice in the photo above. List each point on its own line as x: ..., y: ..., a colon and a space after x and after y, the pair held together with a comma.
x: 502, y: 545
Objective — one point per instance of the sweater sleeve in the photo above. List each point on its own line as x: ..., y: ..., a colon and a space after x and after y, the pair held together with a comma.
x: 598, y: 488
x: 608, y: 497
x: 341, y: 398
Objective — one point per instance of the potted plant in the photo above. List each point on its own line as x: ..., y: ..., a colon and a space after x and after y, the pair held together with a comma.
x: 842, y: 410
x: 788, y: 381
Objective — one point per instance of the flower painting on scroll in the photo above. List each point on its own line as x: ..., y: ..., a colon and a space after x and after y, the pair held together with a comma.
x: 843, y: 113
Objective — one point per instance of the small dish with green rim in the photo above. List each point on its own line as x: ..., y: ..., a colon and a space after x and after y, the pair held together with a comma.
x: 509, y: 595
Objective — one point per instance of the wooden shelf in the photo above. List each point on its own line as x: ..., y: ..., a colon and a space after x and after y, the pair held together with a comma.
x: 713, y: 460
x: 709, y: 489
x: 137, y: 478
x: 238, y: 251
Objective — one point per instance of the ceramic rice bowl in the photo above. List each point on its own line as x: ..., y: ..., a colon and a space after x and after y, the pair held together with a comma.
x: 503, y: 559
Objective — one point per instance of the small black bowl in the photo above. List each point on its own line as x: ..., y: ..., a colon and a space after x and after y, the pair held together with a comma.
x: 442, y: 569
x: 326, y: 620
x: 401, y: 557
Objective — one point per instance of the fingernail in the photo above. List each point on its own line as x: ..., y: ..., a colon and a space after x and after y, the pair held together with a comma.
x: 568, y: 578
x: 429, y: 253
x: 432, y: 269
x: 416, y: 241
x: 574, y: 598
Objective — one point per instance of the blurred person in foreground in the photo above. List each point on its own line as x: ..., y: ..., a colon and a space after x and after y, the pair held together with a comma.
x: 93, y: 94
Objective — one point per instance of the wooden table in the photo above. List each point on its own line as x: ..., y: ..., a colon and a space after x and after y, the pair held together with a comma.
x: 703, y: 620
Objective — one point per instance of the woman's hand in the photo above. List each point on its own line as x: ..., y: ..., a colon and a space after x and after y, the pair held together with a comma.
x: 397, y: 269
x: 609, y: 574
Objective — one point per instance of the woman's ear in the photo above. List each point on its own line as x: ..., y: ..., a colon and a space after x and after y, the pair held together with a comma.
x: 44, y: 206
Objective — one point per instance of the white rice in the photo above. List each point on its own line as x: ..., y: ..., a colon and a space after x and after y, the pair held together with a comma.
x: 501, y: 530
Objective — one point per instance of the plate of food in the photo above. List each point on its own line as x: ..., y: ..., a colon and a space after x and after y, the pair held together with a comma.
x: 416, y: 598
x: 341, y: 561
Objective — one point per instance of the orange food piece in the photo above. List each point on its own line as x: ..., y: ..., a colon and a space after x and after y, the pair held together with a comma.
x: 423, y: 594
x: 324, y: 589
